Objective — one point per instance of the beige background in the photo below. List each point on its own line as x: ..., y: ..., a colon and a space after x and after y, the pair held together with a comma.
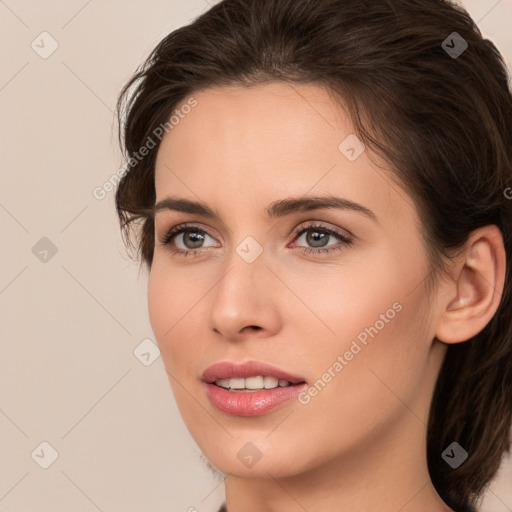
x: 70, y: 325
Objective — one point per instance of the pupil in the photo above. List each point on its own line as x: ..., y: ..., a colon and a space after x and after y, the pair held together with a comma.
x: 197, y: 241
x: 321, y: 238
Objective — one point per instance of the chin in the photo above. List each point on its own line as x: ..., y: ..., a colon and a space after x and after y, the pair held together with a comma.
x: 244, y: 458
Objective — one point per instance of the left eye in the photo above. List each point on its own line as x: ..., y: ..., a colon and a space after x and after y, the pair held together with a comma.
x: 317, y: 237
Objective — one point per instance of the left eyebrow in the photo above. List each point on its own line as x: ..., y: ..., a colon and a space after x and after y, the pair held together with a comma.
x: 277, y: 209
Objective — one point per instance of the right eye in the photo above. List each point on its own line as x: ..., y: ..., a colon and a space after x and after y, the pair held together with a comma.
x: 192, y: 240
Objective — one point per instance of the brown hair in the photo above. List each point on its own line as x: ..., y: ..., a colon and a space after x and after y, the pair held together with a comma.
x: 443, y: 121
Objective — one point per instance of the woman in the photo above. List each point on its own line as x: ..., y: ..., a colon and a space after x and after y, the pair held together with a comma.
x: 321, y: 192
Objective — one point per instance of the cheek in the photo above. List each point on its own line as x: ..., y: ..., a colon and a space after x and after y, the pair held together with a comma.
x: 381, y: 378
x: 170, y: 310
x: 373, y: 337
x: 347, y: 300
x: 170, y: 313
x: 160, y: 303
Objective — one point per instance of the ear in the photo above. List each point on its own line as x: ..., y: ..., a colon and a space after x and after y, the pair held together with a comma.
x: 472, y: 297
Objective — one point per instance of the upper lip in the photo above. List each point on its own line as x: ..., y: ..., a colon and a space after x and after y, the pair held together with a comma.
x: 232, y: 370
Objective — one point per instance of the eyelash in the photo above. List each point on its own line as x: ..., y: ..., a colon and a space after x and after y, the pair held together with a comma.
x: 346, y: 241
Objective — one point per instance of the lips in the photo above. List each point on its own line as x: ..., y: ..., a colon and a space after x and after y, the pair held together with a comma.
x: 228, y: 387
x: 229, y: 370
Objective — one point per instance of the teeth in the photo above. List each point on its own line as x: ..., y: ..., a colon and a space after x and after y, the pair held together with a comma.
x: 237, y: 383
x: 252, y: 383
x: 223, y: 383
x: 270, y: 382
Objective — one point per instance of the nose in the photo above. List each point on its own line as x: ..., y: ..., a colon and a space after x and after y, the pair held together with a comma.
x: 245, y: 302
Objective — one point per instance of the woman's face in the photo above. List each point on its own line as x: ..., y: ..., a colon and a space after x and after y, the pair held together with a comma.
x: 339, y: 309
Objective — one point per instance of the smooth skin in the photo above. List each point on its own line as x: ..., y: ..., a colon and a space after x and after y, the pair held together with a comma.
x: 359, y: 444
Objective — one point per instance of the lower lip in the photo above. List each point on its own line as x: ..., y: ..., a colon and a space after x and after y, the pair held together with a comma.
x: 252, y: 403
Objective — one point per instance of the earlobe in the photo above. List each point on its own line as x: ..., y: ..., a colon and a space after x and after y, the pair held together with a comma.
x: 474, y: 294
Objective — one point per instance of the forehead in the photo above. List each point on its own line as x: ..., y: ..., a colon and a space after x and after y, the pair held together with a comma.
x: 266, y: 141
x: 266, y: 129
x: 270, y: 116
